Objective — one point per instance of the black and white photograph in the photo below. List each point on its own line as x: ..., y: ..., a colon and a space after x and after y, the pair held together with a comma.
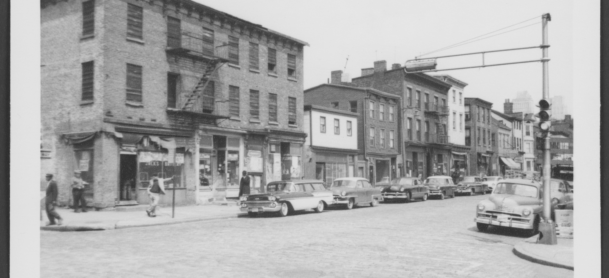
x: 210, y: 138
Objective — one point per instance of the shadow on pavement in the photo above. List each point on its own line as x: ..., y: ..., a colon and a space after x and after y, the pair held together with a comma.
x: 502, y: 231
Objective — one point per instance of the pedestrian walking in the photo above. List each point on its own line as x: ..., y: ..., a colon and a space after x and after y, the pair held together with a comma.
x: 244, y: 185
x: 156, y: 188
x: 78, y: 192
x: 51, y: 201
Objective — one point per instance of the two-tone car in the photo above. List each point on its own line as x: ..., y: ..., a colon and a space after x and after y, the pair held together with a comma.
x: 284, y: 197
x: 353, y: 191
x: 440, y: 187
x: 471, y: 185
x: 404, y: 189
x: 490, y: 182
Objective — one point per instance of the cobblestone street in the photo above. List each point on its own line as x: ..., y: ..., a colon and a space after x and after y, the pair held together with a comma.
x: 421, y: 239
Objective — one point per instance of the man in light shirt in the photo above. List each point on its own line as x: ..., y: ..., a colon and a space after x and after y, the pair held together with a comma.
x: 156, y: 188
x: 78, y: 192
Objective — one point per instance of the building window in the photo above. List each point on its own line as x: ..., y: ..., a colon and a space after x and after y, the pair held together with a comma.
x: 529, y: 166
x: 461, y: 121
x: 391, y: 115
x: 443, y: 103
x: 209, y: 100
x: 483, y: 137
x: 382, y: 138
x: 382, y: 112
x: 174, y: 32
x: 334, y: 104
x: 291, y: 65
x: 88, y: 18
x: 468, y: 139
x: 467, y: 116
x: 337, y: 126
x: 254, y: 56
x: 254, y: 104
x: 426, y: 131
x: 426, y: 101
x: 272, y: 107
x: 478, y: 135
x: 460, y: 98
x: 233, y: 50
x: 409, y: 128
x: 208, y: 42
x: 172, y: 90
x: 493, y: 139
x: 371, y: 109
x: 353, y: 106
x: 322, y: 124
x: 454, y: 120
x: 371, y: 136
x: 292, y: 110
x: 134, y: 83
x: 272, y: 63
x: 87, y: 81
x: 349, y: 128
x: 391, y: 140
x: 135, y: 22
x: 454, y: 96
x: 418, y: 99
x: 233, y: 99
x: 528, y: 132
x: 409, y: 97
x: 418, y: 127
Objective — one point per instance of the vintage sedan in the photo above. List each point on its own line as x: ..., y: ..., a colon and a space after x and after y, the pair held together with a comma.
x: 440, y: 186
x: 471, y: 185
x: 284, y: 197
x: 349, y: 192
x: 518, y: 204
x: 404, y: 189
x: 490, y: 182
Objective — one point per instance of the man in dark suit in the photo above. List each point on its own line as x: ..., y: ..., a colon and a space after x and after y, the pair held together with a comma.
x: 244, y: 185
x: 51, y: 201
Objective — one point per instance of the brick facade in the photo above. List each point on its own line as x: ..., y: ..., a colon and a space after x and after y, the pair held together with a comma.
x: 482, y: 157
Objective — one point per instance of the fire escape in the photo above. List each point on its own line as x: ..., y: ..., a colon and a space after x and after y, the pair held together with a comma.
x: 198, y: 53
x: 440, y: 114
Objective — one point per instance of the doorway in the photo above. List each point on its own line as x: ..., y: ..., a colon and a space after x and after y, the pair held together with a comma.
x: 415, y: 161
x: 128, y: 177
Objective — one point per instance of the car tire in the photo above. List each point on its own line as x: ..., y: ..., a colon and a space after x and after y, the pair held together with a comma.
x: 320, y: 207
x: 284, y: 210
x: 252, y: 214
x: 424, y: 197
x: 482, y: 227
x: 535, y: 229
x: 374, y: 202
x: 350, y: 204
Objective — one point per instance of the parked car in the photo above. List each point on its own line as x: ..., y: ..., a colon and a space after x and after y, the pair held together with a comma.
x: 404, y: 189
x: 518, y: 204
x: 440, y: 186
x: 471, y: 185
x: 349, y: 192
x: 284, y: 197
x: 490, y: 182
x: 562, y: 194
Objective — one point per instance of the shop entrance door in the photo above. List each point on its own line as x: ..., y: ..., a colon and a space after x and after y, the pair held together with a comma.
x: 415, y: 166
x: 128, y: 177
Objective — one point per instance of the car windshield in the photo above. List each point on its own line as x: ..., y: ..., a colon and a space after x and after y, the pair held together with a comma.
x: 275, y: 187
x: 517, y: 189
x: 436, y: 181
x: 469, y: 179
x: 344, y: 183
x: 402, y: 181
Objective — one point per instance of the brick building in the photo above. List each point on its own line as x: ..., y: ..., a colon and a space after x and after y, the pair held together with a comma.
x: 480, y: 135
x: 133, y: 89
x: 378, y: 157
x: 427, y: 147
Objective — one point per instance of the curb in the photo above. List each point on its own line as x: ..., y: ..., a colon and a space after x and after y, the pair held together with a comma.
x: 521, y: 253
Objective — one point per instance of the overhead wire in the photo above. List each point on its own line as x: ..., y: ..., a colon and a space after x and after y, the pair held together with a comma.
x: 474, y: 38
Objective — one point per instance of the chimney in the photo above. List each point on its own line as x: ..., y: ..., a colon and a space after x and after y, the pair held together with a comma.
x: 380, y: 66
x: 508, y: 107
x: 336, y: 77
x: 396, y: 66
x: 367, y: 71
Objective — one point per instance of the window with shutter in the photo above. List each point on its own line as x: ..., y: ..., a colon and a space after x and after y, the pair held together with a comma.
x: 87, y: 81
x: 134, y: 83
x: 88, y: 18
x: 172, y: 90
x: 272, y: 63
x: 233, y: 50
x: 291, y: 65
x: 208, y: 42
x: 253, y: 56
x: 174, y: 32
x: 292, y: 111
x: 322, y: 124
x: 273, y: 107
x: 234, y: 100
x: 135, y: 22
x: 337, y: 126
x: 208, y: 98
x: 254, y: 104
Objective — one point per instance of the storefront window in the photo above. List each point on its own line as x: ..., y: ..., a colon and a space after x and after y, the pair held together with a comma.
x: 205, y: 171
x: 232, y: 167
x: 161, y: 165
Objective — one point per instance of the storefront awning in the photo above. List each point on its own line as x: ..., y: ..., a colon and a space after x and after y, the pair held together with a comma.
x: 79, y: 138
x: 458, y: 153
x: 510, y: 163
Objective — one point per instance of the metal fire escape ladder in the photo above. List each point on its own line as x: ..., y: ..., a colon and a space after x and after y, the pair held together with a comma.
x: 211, y: 68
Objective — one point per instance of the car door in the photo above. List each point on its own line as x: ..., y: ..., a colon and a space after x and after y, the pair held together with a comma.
x: 359, y: 192
x: 416, y: 189
x: 300, y: 200
x: 320, y: 192
x: 368, y: 191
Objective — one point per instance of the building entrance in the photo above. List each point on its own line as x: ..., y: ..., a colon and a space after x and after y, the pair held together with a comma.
x: 128, y: 177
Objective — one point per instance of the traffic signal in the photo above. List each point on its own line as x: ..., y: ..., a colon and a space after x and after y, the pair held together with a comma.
x: 544, y: 116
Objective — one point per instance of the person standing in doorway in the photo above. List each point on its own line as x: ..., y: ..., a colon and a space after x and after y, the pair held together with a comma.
x: 51, y: 201
x: 156, y: 188
x: 244, y: 184
x: 78, y: 192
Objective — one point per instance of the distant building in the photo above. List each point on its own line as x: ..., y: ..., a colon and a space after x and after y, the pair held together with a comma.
x: 515, y: 123
x: 558, y: 108
x: 523, y: 103
x: 480, y: 135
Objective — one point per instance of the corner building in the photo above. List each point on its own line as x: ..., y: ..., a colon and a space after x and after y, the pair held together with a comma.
x: 135, y: 89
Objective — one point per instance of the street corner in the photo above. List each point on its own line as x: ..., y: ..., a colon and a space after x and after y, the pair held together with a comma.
x: 559, y: 255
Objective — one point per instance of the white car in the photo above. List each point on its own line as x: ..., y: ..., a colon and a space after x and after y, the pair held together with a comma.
x: 491, y: 182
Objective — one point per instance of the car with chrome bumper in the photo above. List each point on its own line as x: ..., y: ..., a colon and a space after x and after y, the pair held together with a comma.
x: 404, y: 189
x: 284, y: 197
x: 440, y: 187
x: 352, y: 191
x: 471, y: 185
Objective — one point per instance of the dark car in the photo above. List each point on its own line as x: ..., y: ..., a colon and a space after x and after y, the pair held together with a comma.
x: 471, y: 185
x: 349, y: 192
x: 404, y: 189
x: 440, y: 186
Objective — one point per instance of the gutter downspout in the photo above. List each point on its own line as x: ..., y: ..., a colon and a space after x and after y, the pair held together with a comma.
x: 365, y: 141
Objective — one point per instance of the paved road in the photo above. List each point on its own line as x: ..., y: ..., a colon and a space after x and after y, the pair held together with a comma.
x: 421, y: 239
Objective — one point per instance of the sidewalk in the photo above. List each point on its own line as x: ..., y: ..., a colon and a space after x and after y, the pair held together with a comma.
x: 559, y: 255
x: 128, y: 217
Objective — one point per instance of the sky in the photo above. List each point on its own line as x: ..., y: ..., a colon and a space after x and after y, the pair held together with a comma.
x: 397, y: 31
